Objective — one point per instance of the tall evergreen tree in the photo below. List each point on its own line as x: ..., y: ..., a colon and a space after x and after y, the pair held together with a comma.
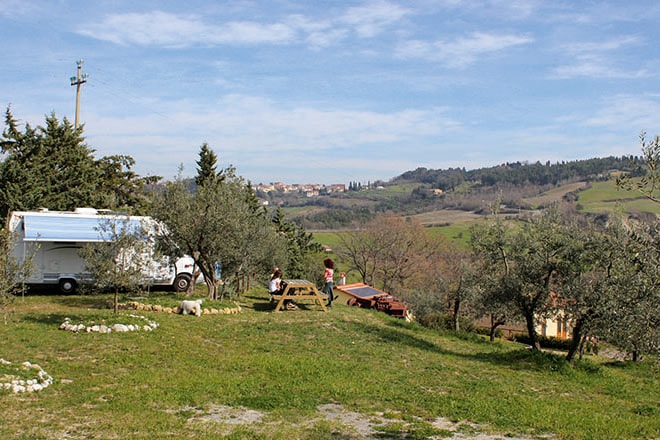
x: 300, y: 245
x: 207, y: 166
x: 52, y: 167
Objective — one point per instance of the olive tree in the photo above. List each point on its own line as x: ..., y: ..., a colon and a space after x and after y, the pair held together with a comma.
x: 12, y: 271
x: 638, y: 328
x: 119, y: 259
x: 219, y: 224
x: 631, y: 317
x: 445, y: 282
x: 583, y: 283
x: 461, y: 278
x: 524, y: 261
x: 649, y: 182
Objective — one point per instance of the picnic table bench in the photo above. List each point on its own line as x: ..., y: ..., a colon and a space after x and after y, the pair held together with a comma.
x: 299, y: 290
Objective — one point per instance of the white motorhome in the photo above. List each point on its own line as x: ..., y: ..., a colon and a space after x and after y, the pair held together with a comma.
x: 53, y: 239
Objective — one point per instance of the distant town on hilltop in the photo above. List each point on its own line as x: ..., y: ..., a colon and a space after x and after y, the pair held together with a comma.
x: 309, y: 189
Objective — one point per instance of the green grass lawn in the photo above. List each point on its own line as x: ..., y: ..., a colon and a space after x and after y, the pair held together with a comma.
x: 264, y: 375
x: 458, y: 233
x: 327, y: 238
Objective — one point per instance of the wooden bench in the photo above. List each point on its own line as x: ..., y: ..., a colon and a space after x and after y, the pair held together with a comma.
x: 297, y: 290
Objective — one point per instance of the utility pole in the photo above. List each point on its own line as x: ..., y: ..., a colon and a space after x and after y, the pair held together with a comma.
x: 78, y: 81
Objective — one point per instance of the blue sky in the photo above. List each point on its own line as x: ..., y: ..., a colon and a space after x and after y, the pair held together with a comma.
x: 338, y: 91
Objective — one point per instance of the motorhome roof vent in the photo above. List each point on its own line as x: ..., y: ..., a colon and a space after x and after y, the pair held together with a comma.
x: 87, y: 211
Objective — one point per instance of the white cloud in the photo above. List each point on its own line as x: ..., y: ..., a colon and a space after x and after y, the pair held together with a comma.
x: 461, y: 51
x: 172, y: 30
x: 364, y: 99
x: 17, y: 8
x: 262, y: 121
x: 248, y: 131
x: 159, y: 28
x: 518, y: 9
x: 595, y: 69
x: 639, y: 111
x: 320, y: 33
x: 590, y: 47
x: 598, y: 60
x: 372, y: 18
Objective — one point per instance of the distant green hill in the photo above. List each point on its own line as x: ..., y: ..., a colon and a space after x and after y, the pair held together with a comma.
x: 523, y: 173
x: 439, y: 198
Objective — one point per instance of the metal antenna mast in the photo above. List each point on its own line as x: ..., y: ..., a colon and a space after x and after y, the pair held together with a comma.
x: 78, y: 81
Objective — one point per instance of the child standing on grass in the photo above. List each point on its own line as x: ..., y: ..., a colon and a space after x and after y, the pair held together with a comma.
x: 328, y: 277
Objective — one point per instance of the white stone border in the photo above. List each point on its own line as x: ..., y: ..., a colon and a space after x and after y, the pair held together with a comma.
x: 17, y: 385
x: 102, y: 328
x: 135, y: 305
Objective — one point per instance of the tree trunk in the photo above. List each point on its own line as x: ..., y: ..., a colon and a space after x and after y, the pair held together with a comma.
x: 193, y: 281
x: 583, y: 340
x: 457, y: 309
x: 212, y: 287
x: 494, y: 323
x: 575, y: 342
x: 531, y: 331
x: 116, y: 301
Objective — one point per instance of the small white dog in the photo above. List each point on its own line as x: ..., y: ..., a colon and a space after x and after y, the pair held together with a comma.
x: 190, y: 307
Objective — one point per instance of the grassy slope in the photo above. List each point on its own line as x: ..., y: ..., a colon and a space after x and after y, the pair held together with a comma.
x: 161, y: 384
x: 606, y: 197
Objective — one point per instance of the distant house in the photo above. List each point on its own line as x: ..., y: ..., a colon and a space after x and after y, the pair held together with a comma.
x: 556, y: 327
x: 336, y: 187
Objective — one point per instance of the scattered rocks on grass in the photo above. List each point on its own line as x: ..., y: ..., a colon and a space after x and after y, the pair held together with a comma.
x: 16, y: 381
x: 135, y: 305
x: 103, y: 328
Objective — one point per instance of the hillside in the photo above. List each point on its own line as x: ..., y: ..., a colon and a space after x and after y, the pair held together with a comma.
x: 349, y: 373
x: 521, y: 189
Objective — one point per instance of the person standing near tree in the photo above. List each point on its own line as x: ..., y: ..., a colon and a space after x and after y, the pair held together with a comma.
x: 328, y: 277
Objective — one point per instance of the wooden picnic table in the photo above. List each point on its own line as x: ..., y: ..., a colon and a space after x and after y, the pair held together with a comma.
x: 299, y: 290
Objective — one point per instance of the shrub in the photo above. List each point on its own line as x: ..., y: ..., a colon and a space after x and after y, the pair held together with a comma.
x: 486, y: 332
x: 545, y: 341
x: 445, y: 321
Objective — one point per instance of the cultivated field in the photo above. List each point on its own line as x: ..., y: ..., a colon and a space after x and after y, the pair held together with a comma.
x: 555, y: 194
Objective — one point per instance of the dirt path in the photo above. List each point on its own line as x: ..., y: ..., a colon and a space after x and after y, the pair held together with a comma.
x: 348, y: 424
